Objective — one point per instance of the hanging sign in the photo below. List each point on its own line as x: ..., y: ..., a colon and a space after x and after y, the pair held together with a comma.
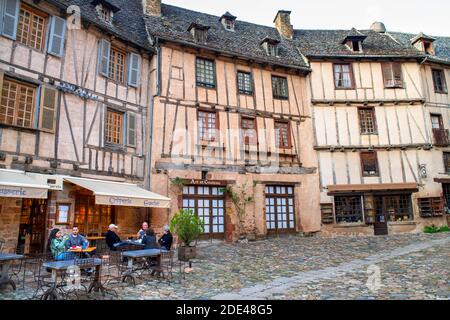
x: 76, y: 90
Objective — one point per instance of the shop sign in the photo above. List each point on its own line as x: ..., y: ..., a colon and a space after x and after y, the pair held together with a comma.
x: 76, y: 90
x: 197, y: 182
x: 30, y: 193
x: 131, y: 202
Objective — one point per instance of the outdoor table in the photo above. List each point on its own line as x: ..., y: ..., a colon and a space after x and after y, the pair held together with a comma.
x: 88, y: 250
x: 132, y: 255
x: 59, y: 266
x: 5, y: 263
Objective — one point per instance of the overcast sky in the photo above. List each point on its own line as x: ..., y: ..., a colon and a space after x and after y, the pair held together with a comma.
x: 413, y: 16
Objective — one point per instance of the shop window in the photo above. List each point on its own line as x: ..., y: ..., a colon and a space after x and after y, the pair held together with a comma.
x: 431, y: 207
x: 348, y: 209
x: 397, y: 208
x: 17, y: 104
x: 92, y: 219
x: 327, y: 213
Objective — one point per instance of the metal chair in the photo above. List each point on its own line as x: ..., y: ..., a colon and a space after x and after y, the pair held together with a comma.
x: 165, y: 267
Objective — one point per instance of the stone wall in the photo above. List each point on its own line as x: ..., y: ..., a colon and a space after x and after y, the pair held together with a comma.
x: 10, y: 222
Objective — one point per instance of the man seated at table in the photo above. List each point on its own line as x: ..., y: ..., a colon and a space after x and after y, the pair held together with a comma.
x: 76, y: 239
x: 111, y: 238
x: 166, y: 240
x: 143, y: 231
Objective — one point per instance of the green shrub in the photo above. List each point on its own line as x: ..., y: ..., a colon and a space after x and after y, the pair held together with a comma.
x: 187, y: 226
x: 434, y: 229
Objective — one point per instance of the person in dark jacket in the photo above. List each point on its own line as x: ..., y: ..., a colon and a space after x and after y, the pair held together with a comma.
x: 166, y: 240
x: 149, y: 240
x: 112, y: 238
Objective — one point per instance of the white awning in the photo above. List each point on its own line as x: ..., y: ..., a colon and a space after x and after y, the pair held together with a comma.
x: 16, y: 184
x: 120, y: 194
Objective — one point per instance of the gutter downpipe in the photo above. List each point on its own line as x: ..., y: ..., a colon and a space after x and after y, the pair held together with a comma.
x: 152, y: 104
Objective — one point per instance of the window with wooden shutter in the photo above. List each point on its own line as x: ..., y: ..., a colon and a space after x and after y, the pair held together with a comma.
x: 131, y: 123
x: 57, y: 36
x: 431, y: 207
x: 104, y: 57
x: 114, y: 127
x: 134, y: 66
x: 392, y: 75
x: 32, y: 28
x: 117, y: 65
x: 47, y: 109
x: 367, y: 120
x: 369, y: 163
x: 9, y: 18
x: 283, y: 134
x: 17, y: 103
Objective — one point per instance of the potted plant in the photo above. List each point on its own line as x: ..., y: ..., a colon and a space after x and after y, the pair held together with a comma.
x: 188, y: 227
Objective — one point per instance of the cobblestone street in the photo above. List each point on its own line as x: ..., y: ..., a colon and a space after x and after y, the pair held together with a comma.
x: 409, y: 266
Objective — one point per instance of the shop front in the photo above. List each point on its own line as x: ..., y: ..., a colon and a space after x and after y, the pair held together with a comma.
x: 23, y: 207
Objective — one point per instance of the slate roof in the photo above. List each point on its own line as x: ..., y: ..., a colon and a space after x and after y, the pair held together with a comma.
x: 128, y: 23
x: 244, y: 41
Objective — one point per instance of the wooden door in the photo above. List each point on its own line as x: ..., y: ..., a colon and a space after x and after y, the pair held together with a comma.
x: 381, y: 217
x: 33, y: 219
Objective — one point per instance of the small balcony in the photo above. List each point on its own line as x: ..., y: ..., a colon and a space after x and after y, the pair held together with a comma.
x: 441, y: 137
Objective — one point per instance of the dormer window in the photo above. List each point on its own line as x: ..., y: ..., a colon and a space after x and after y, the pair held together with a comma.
x: 270, y: 46
x: 228, y: 21
x: 199, y: 32
x: 424, y: 43
x: 105, y: 10
x: 354, y: 40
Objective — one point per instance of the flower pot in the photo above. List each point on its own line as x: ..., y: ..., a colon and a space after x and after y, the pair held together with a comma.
x: 187, y: 253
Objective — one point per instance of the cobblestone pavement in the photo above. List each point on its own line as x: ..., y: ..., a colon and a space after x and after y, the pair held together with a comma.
x: 409, y: 267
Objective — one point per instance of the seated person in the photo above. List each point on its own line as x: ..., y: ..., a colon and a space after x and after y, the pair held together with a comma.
x: 57, y: 245
x: 143, y: 231
x: 166, y: 240
x: 111, y: 238
x: 149, y: 240
x: 76, y: 239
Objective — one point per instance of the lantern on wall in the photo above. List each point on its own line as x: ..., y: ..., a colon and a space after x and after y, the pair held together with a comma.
x: 423, y: 171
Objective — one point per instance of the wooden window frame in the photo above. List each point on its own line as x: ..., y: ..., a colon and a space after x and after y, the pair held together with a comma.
x: 357, y: 213
x: 363, y: 130
x: 244, y: 91
x: 113, y: 62
x: 392, y: 70
x: 276, y: 195
x: 446, y: 158
x: 206, y: 85
x: 34, y: 12
x: 441, y: 121
x: 289, y: 133
x: 374, y: 153
x: 444, y: 89
x: 285, y: 81
x: 123, y: 115
x: 246, y: 139
x: 87, y: 201
x: 352, y: 77
x: 217, y: 125
x: 19, y: 85
x: 436, y: 207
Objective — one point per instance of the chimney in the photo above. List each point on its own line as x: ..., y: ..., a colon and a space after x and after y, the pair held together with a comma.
x: 283, y: 24
x: 152, y: 7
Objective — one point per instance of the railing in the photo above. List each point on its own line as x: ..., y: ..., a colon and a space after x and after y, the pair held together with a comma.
x: 441, y: 137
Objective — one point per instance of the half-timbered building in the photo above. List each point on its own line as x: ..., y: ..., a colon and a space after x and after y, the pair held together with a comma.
x: 74, y: 84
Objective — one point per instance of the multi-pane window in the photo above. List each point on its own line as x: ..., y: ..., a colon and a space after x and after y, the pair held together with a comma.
x: 280, y: 208
x: 447, y: 162
x: 431, y: 207
x: 282, y: 134
x: 92, y: 219
x: 117, y: 65
x: 31, y: 28
x: 348, y: 209
x: 396, y: 208
x: 272, y: 49
x: 17, y: 105
x: 440, y: 85
x: 249, y: 133
x: 114, y: 127
x: 206, y: 73
x: 207, y: 125
x: 369, y: 164
x: 343, y: 76
x: 392, y: 75
x: 104, y: 14
x: 208, y: 203
x: 436, y: 121
x: 280, y: 88
x: 245, y: 83
x: 367, y: 120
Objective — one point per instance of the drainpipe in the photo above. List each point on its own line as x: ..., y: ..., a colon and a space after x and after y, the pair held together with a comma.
x: 152, y: 104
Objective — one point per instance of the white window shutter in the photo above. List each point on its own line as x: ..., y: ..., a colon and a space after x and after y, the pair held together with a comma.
x: 47, y: 119
x: 57, y: 36
x: 103, y: 57
x: 10, y: 18
x: 134, y: 67
x: 131, y: 134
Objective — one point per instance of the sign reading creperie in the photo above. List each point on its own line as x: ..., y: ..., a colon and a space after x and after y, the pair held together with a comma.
x: 131, y: 202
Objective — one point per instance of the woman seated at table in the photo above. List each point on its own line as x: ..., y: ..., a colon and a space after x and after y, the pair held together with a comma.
x: 57, y: 245
x: 149, y: 240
